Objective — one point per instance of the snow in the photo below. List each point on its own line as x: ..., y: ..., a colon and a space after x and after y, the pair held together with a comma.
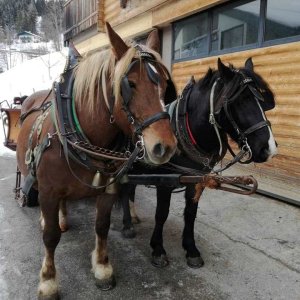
x: 26, y: 78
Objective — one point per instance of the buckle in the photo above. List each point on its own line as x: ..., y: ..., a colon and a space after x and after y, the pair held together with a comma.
x: 246, y: 80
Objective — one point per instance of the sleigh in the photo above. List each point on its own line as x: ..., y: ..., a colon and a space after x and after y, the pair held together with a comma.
x: 10, y: 116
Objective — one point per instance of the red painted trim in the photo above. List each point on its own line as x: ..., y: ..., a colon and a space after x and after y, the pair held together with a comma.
x: 189, y: 130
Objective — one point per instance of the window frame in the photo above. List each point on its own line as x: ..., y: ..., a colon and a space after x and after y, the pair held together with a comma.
x: 261, y: 43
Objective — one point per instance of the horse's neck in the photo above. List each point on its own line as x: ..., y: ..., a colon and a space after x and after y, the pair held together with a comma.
x: 97, y: 127
x: 198, y: 111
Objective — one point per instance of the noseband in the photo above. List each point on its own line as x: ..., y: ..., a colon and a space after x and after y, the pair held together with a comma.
x: 127, y: 94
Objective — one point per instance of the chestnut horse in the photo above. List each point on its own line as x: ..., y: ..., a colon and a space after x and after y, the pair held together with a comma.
x: 117, y: 91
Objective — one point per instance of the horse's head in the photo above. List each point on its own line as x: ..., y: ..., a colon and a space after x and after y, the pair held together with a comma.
x: 245, y: 97
x: 140, y: 83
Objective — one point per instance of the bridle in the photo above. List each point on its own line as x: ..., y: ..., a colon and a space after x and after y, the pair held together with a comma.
x: 127, y: 94
x: 228, y: 100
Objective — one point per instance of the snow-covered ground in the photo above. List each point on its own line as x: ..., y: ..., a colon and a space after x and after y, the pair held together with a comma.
x: 30, y: 76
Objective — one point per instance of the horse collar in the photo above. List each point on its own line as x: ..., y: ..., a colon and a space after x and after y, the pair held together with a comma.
x: 186, y: 141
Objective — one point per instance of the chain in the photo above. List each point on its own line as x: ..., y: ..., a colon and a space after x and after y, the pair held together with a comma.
x: 84, y: 146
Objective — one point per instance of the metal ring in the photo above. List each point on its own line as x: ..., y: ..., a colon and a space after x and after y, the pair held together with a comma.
x: 141, y: 154
x: 247, y: 150
x: 127, y: 153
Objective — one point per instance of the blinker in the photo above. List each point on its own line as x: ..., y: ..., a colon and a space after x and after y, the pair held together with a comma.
x: 152, y: 75
x: 126, y: 90
x: 256, y: 93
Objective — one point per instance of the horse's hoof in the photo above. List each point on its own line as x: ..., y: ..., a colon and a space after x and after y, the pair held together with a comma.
x: 160, y: 261
x: 195, y: 262
x: 106, y: 284
x: 135, y: 220
x: 49, y: 297
x: 128, y: 233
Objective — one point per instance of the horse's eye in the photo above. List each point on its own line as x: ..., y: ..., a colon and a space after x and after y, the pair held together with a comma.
x: 132, y: 84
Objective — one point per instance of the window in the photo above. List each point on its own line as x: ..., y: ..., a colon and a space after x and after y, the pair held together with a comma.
x: 191, y: 37
x: 282, y: 20
x: 236, y: 26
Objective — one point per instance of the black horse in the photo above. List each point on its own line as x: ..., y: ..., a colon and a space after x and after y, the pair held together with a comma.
x: 227, y: 101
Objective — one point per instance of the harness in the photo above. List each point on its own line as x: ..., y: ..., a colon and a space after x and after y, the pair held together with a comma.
x: 74, y: 142
x: 190, y: 152
x: 33, y: 155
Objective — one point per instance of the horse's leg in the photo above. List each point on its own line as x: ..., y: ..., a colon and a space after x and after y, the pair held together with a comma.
x: 48, y: 286
x: 134, y: 217
x: 102, y: 268
x: 63, y: 216
x: 159, y: 256
x: 193, y: 256
x: 126, y: 193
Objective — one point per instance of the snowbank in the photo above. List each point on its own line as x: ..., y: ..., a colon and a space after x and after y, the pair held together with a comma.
x: 32, y: 75
x: 24, y: 79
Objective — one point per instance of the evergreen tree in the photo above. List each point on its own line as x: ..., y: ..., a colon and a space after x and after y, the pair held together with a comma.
x: 52, y: 22
x: 18, y: 14
x: 40, y: 7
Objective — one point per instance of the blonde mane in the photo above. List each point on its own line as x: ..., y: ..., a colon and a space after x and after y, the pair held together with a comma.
x: 98, y: 73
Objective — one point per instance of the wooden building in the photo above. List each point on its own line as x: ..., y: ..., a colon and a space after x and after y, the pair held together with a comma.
x: 194, y: 33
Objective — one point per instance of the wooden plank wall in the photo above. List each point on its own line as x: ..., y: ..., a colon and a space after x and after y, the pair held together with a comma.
x: 280, y: 67
x: 115, y: 15
x: 79, y: 16
x: 164, y: 11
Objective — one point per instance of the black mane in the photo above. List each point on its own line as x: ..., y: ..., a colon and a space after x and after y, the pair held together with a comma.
x: 206, y: 82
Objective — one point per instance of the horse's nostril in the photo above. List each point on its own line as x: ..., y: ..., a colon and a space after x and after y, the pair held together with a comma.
x: 159, y: 150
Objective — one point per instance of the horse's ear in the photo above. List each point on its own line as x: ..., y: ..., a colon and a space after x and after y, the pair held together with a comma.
x: 119, y: 47
x: 249, y: 64
x: 153, y: 41
x: 225, y: 72
x: 192, y: 80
